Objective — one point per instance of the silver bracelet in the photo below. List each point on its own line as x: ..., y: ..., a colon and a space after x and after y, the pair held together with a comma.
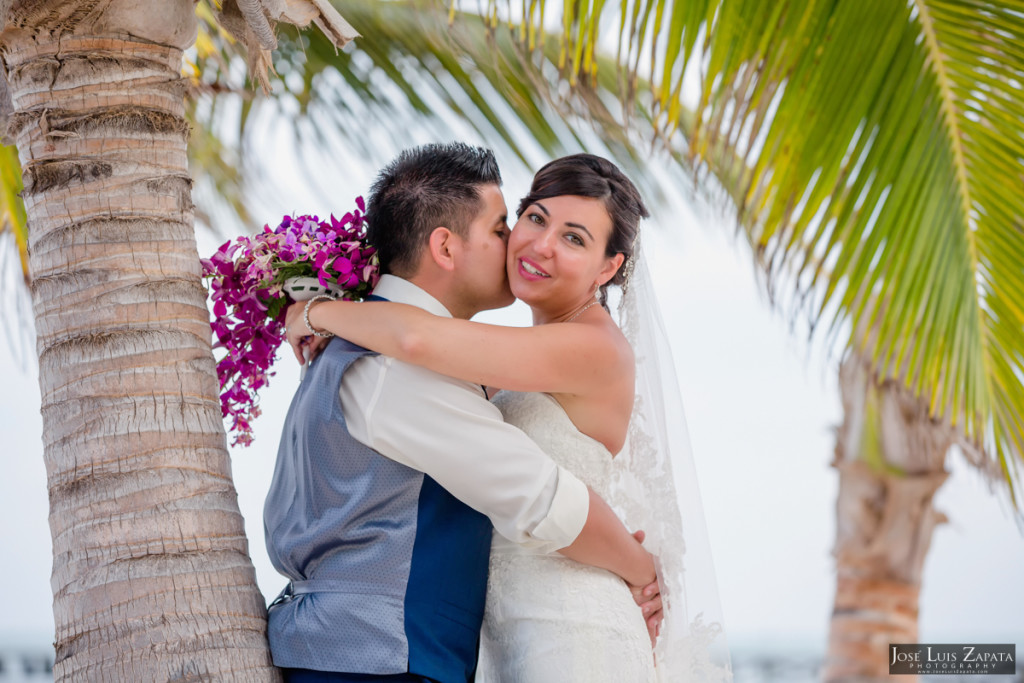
x: 305, y: 315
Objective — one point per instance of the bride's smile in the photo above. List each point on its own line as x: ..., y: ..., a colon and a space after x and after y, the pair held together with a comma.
x: 531, y: 271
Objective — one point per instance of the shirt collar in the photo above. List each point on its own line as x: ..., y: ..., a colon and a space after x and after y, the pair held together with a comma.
x: 402, y: 291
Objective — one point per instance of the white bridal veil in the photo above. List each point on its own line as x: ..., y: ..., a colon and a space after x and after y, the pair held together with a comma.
x: 655, y: 489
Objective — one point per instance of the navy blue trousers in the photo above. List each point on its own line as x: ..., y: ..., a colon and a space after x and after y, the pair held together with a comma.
x: 310, y: 676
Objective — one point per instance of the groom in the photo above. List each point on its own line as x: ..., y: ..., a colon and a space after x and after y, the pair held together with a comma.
x: 389, y: 477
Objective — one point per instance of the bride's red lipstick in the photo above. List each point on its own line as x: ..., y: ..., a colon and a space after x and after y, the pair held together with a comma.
x: 527, y: 274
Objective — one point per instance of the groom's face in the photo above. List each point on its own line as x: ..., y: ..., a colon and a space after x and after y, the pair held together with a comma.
x: 483, y: 277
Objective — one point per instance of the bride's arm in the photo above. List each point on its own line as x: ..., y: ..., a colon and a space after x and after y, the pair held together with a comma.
x: 553, y: 358
x: 604, y: 542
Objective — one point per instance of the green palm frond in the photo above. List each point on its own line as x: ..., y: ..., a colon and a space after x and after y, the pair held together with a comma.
x: 656, y: 39
x: 413, y: 76
x: 885, y: 149
x: 12, y: 209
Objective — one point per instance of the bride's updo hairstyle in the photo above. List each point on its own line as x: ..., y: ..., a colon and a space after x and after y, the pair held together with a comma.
x: 586, y: 175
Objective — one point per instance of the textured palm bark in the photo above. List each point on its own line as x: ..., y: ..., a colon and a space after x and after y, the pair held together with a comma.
x: 151, y: 575
x: 890, y: 456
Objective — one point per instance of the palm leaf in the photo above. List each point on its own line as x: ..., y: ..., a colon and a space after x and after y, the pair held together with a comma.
x: 415, y: 77
x: 12, y: 209
x: 14, y: 273
x: 884, y: 186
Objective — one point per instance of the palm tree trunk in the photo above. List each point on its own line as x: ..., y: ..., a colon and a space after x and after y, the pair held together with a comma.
x: 890, y: 456
x: 151, y: 574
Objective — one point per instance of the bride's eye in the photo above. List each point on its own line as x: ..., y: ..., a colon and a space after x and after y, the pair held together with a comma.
x: 575, y: 239
x: 535, y: 218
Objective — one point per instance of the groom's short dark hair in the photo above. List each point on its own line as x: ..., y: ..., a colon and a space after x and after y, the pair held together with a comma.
x: 423, y: 188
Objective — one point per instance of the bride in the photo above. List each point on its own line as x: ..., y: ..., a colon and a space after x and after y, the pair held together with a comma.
x: 570, y: 383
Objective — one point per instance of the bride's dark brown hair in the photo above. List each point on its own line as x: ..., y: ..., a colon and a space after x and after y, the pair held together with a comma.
x: 587, y: 175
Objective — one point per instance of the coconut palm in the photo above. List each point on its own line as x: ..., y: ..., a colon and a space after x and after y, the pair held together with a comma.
x: 881, y: 194
x: 881, y: 151
x: 152, y: 578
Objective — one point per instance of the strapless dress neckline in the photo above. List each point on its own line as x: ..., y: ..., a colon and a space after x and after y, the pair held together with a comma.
x: 560, y: 411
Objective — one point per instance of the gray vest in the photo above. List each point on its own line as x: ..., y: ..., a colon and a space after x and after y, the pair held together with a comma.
x: 388, y: 571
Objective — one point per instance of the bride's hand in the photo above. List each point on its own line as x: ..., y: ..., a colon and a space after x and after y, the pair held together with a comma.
x: 298, y: 335
x: 649, y: 599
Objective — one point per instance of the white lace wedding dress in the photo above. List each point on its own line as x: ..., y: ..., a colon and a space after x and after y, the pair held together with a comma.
x: 549, y: 618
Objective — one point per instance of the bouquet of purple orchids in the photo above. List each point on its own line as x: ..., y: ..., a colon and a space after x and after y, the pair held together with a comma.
x: 252, y: 281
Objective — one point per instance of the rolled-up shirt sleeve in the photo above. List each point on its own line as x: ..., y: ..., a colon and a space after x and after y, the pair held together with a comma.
x: 447, y: 429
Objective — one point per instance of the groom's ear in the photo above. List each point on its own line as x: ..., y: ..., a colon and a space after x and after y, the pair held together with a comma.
x: 442, y: 246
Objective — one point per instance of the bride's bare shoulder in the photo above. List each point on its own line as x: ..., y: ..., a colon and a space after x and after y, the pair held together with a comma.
x: 612, y: 337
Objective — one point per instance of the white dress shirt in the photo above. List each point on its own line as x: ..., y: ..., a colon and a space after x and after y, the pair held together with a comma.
x: 447, y: 428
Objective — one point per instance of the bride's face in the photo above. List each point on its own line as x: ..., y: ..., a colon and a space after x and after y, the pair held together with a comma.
x: 556, y: 253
